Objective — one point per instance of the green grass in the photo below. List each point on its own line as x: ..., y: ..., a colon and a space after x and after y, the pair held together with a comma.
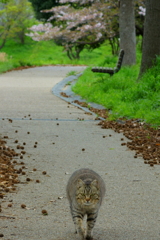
x: 122, y: 94
x: 46, y: 53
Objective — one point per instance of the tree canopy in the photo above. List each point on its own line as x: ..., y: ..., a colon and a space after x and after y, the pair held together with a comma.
x: 16, y: 16
x: 39, y: 5
x: 79, y: 25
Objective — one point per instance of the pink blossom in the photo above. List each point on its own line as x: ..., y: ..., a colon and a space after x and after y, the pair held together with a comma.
x: 142, y: 11
x: 87, y: 25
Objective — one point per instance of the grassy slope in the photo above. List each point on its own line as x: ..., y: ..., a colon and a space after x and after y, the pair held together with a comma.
x: 123, y: 94
x: 120, y: 93
x: 44, y: 53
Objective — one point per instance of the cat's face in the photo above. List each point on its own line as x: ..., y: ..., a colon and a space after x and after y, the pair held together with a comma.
x: 87, y: 192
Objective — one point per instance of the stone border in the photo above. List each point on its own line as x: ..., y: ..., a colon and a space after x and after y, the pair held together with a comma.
x: 64, y: 87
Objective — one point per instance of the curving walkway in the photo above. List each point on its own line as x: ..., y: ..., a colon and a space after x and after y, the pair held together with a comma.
x: 131, y: 208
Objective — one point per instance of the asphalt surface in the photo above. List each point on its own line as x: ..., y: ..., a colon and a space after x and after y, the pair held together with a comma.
x: 68, y: 139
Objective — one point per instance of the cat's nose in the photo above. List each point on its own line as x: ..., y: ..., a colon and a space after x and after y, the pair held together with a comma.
x: 87, y: 199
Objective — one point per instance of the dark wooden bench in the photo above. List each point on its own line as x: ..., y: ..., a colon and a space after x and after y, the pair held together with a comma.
x: 111, y: 71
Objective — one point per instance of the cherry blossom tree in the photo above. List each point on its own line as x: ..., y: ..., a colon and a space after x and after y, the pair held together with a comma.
x: 80, y: 24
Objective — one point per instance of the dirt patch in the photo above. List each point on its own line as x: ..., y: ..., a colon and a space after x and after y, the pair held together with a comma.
x: 3, y: 57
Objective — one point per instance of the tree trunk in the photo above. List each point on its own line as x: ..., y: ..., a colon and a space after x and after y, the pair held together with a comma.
x: 114, y: 42
x: 127, y: 31
x: 3, y: 43
x: 21, y: 36
x: 151, y: 40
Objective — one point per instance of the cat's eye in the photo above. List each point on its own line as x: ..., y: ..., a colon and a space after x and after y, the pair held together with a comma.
x: 95, y: 196
x: 82, y: 194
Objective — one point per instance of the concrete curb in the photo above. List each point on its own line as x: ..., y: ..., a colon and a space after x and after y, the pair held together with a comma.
x: 64, y: 87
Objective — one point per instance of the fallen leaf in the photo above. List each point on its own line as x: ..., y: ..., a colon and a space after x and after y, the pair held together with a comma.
x: 60, y: 197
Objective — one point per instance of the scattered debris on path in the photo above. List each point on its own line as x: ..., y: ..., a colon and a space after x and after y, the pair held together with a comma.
x: 8, y: 173
x: 143, y: 139
x: 63, y: 94
x: 100, y: 112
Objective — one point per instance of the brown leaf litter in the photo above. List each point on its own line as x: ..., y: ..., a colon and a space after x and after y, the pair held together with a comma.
x: 144, y: 139
x: 8, y: 173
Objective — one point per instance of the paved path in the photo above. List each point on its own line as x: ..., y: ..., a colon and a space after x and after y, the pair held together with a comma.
x: 131, y: 208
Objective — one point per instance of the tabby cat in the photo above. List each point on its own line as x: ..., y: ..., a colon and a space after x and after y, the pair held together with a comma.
x: 85, y: 191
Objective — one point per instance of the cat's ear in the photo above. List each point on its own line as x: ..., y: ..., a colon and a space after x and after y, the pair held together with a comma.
x: 94, y: 183
x: 80, y: 183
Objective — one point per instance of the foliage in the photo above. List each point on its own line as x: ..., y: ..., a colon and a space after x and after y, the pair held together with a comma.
x: 15, y: 17
x: 83, y: 24
x: 80, y: 24
x: 39, y: 5
x: 4, y: 1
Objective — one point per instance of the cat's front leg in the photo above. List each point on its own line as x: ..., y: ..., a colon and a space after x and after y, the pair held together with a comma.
x: 78, y: 226
x: 77, y: 217
x: 91, y: 219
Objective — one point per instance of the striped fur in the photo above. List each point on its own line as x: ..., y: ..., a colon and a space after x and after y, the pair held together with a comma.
x: 85, y: 191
